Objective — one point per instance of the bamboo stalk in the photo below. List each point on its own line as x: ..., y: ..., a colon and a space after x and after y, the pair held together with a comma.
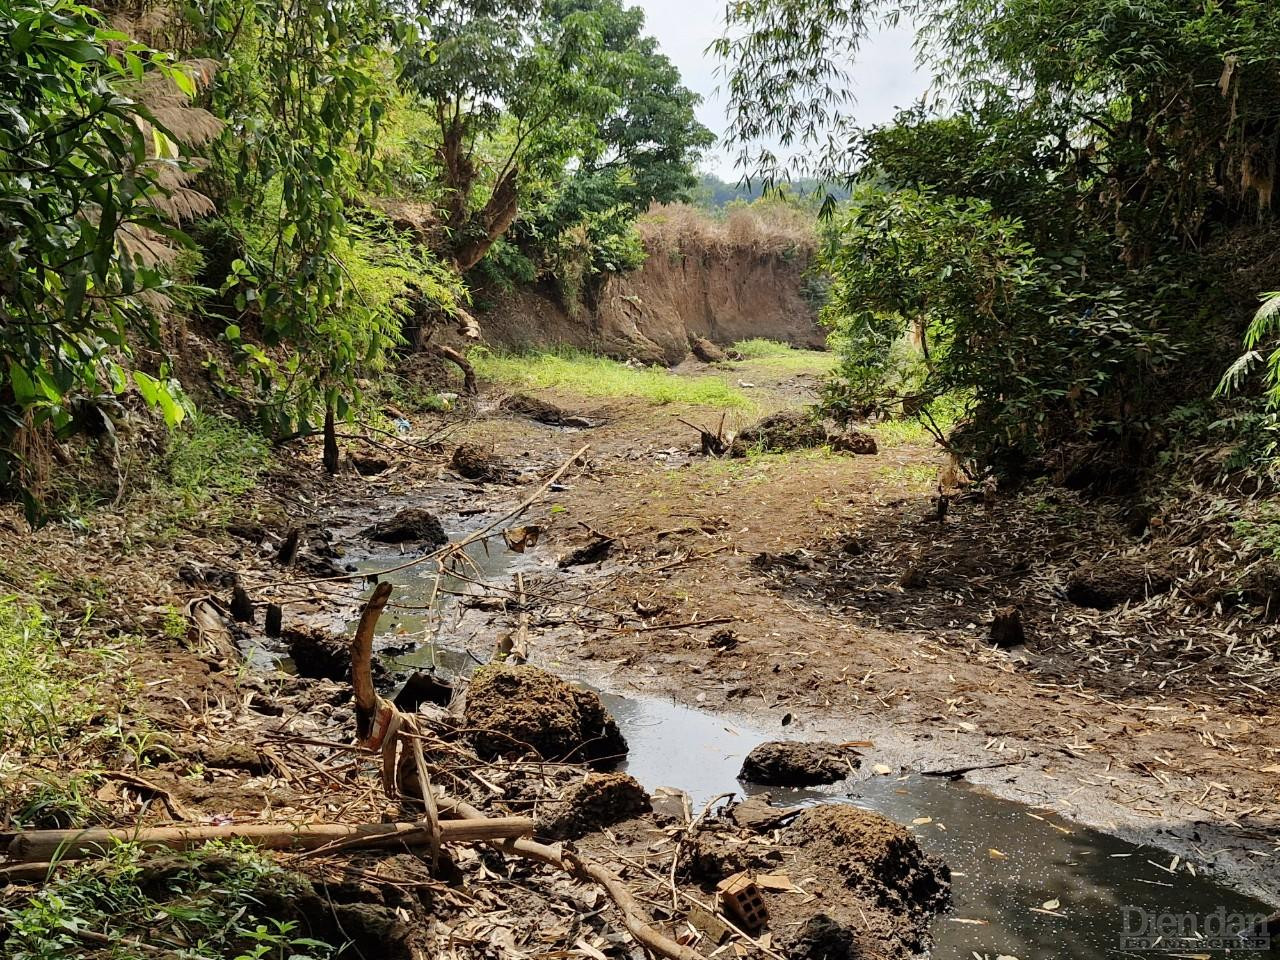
x: 46, y: 845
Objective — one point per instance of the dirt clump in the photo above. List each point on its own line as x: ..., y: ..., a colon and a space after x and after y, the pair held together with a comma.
x: 854, y: 441
x: 542, y: 411
x: 411, y: 525
x: 783, y: 763
x: 1109, y: 583
x: 474, y: 462
x: 321, y: 655
x: 1006, y: 628
x: 598, y: 800
x: 779, y: 433
x: 874, y: 856
x: 515, y: 710
x: 706, y: 351
x: 790, y: 430
x: 822, y: 938
x: 705, y: 859
x: 368, y: 465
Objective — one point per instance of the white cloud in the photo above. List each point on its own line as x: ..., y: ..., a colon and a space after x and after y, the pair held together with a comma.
x: 884, y: 78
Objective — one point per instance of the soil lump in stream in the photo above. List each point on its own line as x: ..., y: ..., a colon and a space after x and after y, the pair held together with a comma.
x: 789, y: 763
x: 874, y: 856
x: 411, y: 525
x: 474, y: 462
x: 518, y: 710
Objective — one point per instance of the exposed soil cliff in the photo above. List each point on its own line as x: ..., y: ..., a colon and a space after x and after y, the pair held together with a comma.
x: 724, y: 294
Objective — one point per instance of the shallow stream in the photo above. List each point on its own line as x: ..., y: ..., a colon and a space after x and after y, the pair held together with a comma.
x: 1025, y: 883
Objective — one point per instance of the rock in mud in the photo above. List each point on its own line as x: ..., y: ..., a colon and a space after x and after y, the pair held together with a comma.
x: 789, y: 763
x: 779, y: 433
x: 232, y: 756
x: 595, y: 552
x: 706, y: 351
x: 516, y: 710
x: 474, y: 462
x: 873, y: 855
x: 368, y: 465
x: 1109, y: 583
x: 706, y: 859
x: 600, y: 800
x: 542, y: 411
x: 411, y: 525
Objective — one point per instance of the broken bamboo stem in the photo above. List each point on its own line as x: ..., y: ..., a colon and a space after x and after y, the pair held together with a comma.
x: 47, y: 845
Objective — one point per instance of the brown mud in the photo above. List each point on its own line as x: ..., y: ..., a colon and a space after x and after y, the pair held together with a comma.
x: 859, y: 613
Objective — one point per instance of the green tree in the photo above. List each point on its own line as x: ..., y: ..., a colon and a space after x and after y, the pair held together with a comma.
x: 83, y: 172
x: 304, y: 88
x: 563, y: 108
x: 1123, y: 139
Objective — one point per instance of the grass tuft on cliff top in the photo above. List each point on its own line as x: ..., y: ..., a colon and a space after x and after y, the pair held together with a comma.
x: 593, y: 376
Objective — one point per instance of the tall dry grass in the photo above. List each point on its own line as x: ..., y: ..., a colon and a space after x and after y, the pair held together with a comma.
x: 761, y: 228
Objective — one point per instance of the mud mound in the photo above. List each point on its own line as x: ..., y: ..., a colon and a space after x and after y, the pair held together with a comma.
x: 523, y: 405
x: 321, y: 655
x: 791, y: 430
x: 1107, y: 584
x: 874, y: 856
x: 476, y: 463
x: 779, y: 433
x: 412, y: 525
x: 822, y: 938
x: 518, y: 709
x: 854, y: 441
x: 706, y: 860
x: 706, y: 351
x: 781, y: 763
x: 601, y: 800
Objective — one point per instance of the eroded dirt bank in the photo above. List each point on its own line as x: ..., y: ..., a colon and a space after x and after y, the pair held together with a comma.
x: 724, y: 295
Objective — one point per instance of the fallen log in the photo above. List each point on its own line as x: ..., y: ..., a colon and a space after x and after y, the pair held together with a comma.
x: 29, y: 846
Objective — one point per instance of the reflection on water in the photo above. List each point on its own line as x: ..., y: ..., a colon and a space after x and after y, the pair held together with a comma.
x: 1008, y: 860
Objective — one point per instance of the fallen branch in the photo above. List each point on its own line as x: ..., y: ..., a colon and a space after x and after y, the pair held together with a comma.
x: 38, y: 846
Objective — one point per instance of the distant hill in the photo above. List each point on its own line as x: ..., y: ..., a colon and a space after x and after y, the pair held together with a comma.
x: 715, y: 194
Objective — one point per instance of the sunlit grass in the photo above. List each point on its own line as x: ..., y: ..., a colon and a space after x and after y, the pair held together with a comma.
x: 593, y: 376
x: 946, y: 412
x: 762, y: 354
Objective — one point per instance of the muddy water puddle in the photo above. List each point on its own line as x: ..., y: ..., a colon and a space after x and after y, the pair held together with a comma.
x: 1025, y: 883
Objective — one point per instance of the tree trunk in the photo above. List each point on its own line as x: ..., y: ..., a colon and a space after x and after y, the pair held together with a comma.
x: 330, y: 441
x: 493, y: 221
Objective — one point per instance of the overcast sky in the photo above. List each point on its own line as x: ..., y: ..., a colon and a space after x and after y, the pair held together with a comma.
x: 884, y: 78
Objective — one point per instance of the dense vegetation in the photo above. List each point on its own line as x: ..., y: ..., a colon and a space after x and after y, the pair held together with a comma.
x: 1074, y: 239
x: 249, y: 167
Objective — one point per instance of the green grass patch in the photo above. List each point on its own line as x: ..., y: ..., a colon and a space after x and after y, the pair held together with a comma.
x: 946, y: 412
x: 39, y: 695
x: 594, y: 376
x: 210, y: 458
x: 762, y: 354
x: 206, y: 907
